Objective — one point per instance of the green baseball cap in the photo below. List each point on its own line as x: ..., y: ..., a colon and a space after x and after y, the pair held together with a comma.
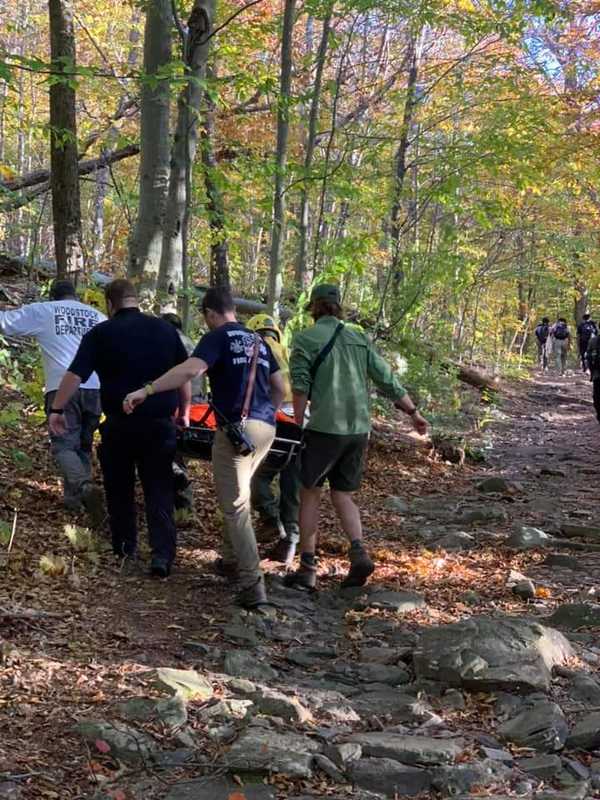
x: 326, y: 291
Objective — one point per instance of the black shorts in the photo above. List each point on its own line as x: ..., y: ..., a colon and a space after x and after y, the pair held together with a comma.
x: 334, y: 457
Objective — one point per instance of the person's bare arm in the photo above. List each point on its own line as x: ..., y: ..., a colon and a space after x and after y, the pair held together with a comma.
x: 185, y: 401
x: 173, y: 379
x: 277, y: 389
x: 300, y: 402
x: 68, y: 386
x: 419, y: 422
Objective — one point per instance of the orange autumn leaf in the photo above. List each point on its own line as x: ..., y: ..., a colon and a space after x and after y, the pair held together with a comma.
x: 541, y: 591
x: 237, y: 796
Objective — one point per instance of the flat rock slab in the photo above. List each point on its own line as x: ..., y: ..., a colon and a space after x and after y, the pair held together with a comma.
x: 528, y: 538
x: 578, y: 531
x: 311, y: 656
x: 543, y: 767
x: 585, y: 689
x: 219, y: 789
x: 186, y: 682
x: 400, y: 602
x: 262, y: 749
x: 414, y: 750
x: 243, y: 664
x: 576, y: 615
x: 541, y: 726
x: 400, y: 707
x: 586, y: 733
x: 561, y: 560
x: 124, y: 742
x: 389, y: 777
x: 488, y: 653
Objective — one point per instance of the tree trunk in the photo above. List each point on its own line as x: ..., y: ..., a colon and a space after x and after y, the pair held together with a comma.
x: 219, y: 262
x: 66, y: 210
x: 283, y: 124
x: 303, y: 277
x: 196, y: 46
x: 394, y: 273
x: 146, y: 241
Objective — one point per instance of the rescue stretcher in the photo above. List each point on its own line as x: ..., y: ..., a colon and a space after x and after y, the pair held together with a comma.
x: 197, y: 440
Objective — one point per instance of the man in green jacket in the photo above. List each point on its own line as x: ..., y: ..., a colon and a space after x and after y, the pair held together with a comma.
x: 337, y: 433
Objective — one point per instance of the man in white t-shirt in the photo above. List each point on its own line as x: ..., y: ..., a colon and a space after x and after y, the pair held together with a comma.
x: 58, y: 326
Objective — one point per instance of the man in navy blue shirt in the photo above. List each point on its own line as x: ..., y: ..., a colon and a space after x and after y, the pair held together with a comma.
x: 226, y: 354
x: 128, y: 350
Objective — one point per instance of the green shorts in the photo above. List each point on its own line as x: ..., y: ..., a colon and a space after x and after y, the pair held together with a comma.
x: 337, y: 458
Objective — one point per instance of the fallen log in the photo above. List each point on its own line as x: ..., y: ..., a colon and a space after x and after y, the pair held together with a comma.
x: 84, y: 168
x: 475, y: 377
x: 15, y: 265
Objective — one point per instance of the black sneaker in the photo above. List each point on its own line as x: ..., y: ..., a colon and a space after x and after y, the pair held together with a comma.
x: 303, y: 579
x: 92, y: 498
x: 225, y: 569
x: 160, y: 568
x: 361, y: 567
x: 253, y: 596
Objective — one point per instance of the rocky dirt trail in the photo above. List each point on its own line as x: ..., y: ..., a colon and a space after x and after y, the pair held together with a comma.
x: 468, y: 667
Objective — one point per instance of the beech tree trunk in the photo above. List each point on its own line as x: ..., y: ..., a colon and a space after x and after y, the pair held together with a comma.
x: 196, y: 46
x: 66, y: 210
x: 147, y: 238
x: 303, y: 277
x: 283, y: 125
x: 219, y: 260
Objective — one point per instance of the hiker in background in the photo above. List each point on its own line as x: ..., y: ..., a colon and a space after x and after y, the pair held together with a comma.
x: 247, y: 388
x: 541, y: 338
x: 585, y: 330
x: 560, y: 336
x: 592, y: 358
x: 278, y: 514
x: 58, y: 326
x: 331, y: 365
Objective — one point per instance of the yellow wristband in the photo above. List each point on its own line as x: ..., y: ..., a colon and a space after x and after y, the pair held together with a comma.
x: 149, y: 389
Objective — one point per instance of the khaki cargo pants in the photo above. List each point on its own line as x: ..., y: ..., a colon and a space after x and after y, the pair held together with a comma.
x: 233, y: 475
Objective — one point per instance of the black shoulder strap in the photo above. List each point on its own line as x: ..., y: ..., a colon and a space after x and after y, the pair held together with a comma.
x: 323, y: 354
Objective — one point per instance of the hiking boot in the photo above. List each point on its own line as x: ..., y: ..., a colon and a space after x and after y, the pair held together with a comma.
x: 253, y: 596
x: 92, y: 498
x: 283, y: 551
x: 225, y: 569
x: 160, y: 568
x: 304, y: 579
x: 129, y: 565
x: 361, y: 566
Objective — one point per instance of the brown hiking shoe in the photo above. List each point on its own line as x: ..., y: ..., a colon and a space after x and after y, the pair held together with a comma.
x: 304, y: 579
x: 225, y: 569
x: 361, y: 567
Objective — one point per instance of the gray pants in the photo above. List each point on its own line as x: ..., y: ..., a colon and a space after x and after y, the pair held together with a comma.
x: 561, y: 348
x: 73, y: 451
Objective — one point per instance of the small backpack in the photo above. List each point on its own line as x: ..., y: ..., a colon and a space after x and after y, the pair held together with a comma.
x: 561, y: 331
x: 588, y: 329
x: 541, y: 332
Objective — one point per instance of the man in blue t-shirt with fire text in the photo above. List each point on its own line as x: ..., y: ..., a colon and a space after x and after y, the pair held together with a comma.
x: 227, y: 354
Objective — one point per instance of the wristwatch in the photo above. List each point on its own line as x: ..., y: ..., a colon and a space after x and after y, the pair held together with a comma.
x: 149, y: 389
x: 57, y: 411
